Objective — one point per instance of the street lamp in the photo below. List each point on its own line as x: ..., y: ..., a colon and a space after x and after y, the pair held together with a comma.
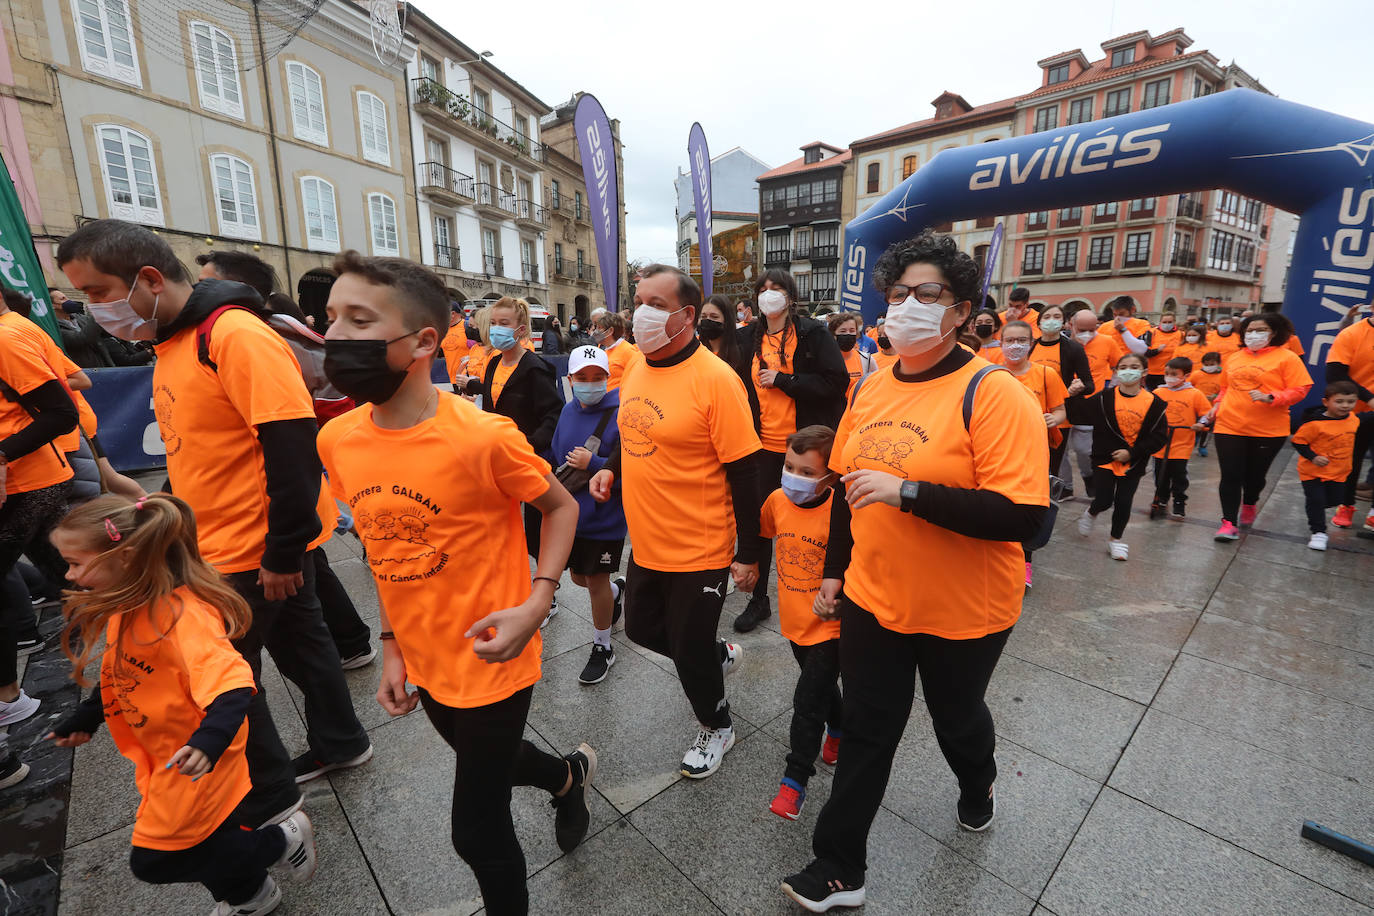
x: 475, y: 60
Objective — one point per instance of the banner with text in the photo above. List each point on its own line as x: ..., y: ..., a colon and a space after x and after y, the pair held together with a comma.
x: 699, y: 155
x: 597, y: 146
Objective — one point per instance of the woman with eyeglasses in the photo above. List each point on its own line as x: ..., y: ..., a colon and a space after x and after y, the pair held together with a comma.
x: 924, y: 567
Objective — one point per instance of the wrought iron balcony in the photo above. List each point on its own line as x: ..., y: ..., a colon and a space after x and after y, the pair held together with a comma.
x: 586, y: 273
x: 529, y: 272
x: 1032, y: 270
x: 825, y: 252
x: 493, y: 265
x: 1189, y: 208
x: 801, y: 254
x: 1040, y: 219
x: 439, y: 180
x: 1187, y: 259
x: 527, y: 211
x: 448, y: 107
x: 493, y: 198
x: 555, y: 198
x: 777, y: 258
x: 447, y: 256
x: 561, y: 269
x: 823, y: 294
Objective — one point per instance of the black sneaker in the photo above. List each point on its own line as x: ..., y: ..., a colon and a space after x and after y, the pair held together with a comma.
x: 572, y: 810
x: 975, y: 813
x: 29, y: 642
x: 820, y: 886
x: 1157, y: 511
x: 754, y: 613
x: 598, y: 666
x: 12, y: 771
x: 1178, y: 511
x: 619, y: 607
x: 308, y: 767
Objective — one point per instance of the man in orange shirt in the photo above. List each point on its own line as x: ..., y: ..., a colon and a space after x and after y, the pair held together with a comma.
x: 1131, y: 334
x: 1351, y: 359
x: 239, y: 428
x: 689, y: 485
x: 1019, y: 309
x: 1164, y: 340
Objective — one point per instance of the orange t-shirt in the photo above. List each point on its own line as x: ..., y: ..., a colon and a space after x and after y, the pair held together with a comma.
x: 1226, y: 346
x: 914, y: 576
x: 59, y: 362
x: 854, y: 364
x: 1354, y: 347
x: 1137, y: 326
x: 455, y: 347
x: 208, y: 422
x: 1271, y: 369
x: 1130, y: 416
x: 1193, y: 352
x: 1167, y: 343
x: 621, y: 356
x: 777, y: 411
x: 1032, y: 318
x: 1103, y: 352
x: 1046, y: 386
x: 800, y: 538
x: 1209, y: 383
x: 429, y: 502
x: 1292, y: 343
x: 991, y: 352
x: 1048, y: 356
x: 1183, y: 407
x: 23, y: 367
x: 155, y: 689
x: 499, y: 379
x: 679, y: 426
x: 882, y: 360
x: 478, y: 357
x: 1335, y: 439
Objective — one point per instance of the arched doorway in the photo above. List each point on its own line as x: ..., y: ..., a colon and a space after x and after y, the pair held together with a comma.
x: 581, y: 306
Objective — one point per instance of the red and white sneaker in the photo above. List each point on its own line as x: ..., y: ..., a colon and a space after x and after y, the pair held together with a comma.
x: 1028, y: 574
x: 789, y: 800
x: 830, y: 749
x: 1345, y: 517
x: 1247, y: 515
x: 1227, y: 532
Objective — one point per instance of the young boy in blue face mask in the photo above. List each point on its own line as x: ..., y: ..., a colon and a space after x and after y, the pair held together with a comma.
x: 797, y: 517
x: 601, y: 529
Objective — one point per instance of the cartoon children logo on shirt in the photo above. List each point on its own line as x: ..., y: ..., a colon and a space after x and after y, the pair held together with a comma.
x: 884, y: 448
x: 800, y: 564
x: 1245, y: 378
x: 395, y: 526
x: 123, y: 682
x: 163, y: 399
x: 636, y: 422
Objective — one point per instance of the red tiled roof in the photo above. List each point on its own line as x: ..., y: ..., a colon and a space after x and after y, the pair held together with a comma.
x: 1112, y: 41
x: 971, y: 115
x: 1075, y: 52
x: 1101, y: 70
x: 801, y: 165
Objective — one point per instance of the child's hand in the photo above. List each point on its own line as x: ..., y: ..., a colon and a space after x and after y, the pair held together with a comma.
x: 827, y: 603
x: 1200, y: 427
x: 600, y: 485
x: 578, y: 458
x: 1121, y: 455
x: 192, y: 762
x: 1321, y: 461
x: 75, y: 739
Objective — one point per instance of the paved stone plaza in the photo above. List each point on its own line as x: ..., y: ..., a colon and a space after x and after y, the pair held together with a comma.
x: 1165, y: 726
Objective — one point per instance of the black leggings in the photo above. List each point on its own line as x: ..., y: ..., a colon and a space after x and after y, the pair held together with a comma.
x: 816, y: 705
x: 231, y: 863
x: 493, y: 755
x: 770, y: 478
x: 1245, y: 462
x: 26, y: 520
x: 1318, y: 496
x: 1115, y: 493
x: 1364, y: 439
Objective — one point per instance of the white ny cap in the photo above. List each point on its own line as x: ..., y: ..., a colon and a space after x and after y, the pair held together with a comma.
x: 582, y: 357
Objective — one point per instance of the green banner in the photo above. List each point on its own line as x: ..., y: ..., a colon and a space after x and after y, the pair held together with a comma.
x: 19, y: 267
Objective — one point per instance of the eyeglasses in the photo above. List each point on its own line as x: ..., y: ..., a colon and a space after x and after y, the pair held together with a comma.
x: 924, y: 292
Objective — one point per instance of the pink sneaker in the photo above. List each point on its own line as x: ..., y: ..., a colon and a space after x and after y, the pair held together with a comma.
x: 1345, y: 517
x: 1227, y: 532
x: 1028, y: 574
x: 1247, y: 515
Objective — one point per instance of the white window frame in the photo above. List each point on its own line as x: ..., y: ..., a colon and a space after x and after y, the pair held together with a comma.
x: 300, y: 105
x: 380, y: 151
x: 134, y: 210
x: 377, y: 204
x: 110, y: 31
x: 328, y: 220
x: 242, y: 188
x: 224, y: 73
x: 446, y: 241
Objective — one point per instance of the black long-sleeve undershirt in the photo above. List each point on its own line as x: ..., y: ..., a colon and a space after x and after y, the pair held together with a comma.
x: 840, y: 546
x: 293, y: 472
x: 743, y: 478
x: 53, y: 414
x: 983, y: 514
x: 212, y: 737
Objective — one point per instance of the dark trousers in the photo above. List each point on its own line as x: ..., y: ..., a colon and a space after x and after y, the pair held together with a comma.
x: 26, y: 520
x: 294, y: 634
x: 770, y: 478
x: 1115, y: 493
x: 1201, y: 440
x: 351, y: 636
x: 1364, y: 441
x: 676, y: 615
x: 1057, y: 457
x: 14, y: 594
x: 1244, y: 462
x: 1171, y: 480
x: 816, y: 704
x: 879, y: 668
x: 493, y: 755
x: 231, y: 863
x: 1320, y: 495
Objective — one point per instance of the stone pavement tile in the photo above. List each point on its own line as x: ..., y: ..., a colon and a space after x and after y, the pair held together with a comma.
x: 1328, y: 734
x: 1314, y: 605
x: 1132, y: 860
x: 358, y: 581
x: 97, y: 872
x: 720, y: 832
x: 1070, y: 722
x: 1321, y: 668
x: 1120, y: 641
x: 1161, y: 552
x: 1347, y: 556
x: 398, y: 806
x: 1040, y: 806
x: 616, y: 873
x: 343, y: 547
x: 1249, y: 797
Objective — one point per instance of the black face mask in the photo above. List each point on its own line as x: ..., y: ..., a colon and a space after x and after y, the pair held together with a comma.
x: 883, y: 342
x: 358, y: 369
x: 709, y: 329
x: 846, y: 341
x: 73, y: 308
x: 983, y: 330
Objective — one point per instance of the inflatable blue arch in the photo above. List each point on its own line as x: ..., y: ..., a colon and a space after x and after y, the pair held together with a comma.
x: 1300, y: 159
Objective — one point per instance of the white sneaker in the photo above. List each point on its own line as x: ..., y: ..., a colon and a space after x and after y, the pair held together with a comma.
x: 1085, y: 523
x: 18, y: 709
x: 299, y: 856
x: 553, y: 612
x: 361, y: 660
x: 1117, y: 549
x: 734, y: 654
x: 1318, y: 541
x: 704, y: 756
x: 264, y: 901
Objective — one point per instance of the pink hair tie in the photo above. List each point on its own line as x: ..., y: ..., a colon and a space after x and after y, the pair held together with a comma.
x: 111, y: 530
x: 138, y: 503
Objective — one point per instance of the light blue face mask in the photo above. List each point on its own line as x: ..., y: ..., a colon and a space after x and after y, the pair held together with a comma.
x: 1129, y: 376
x: 800, y: 489
x: 589, y: 394
x: 502, y: 338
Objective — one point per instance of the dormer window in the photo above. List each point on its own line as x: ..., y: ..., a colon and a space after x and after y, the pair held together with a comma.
x: 813, y: 154
x: 1123, y: 56
x: 1059, y: 73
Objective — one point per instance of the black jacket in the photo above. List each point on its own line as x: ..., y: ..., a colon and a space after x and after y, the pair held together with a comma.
x: 1073, y: 364
x: 1154, y: 431
x: 817, y: 379
x: 81, y: 339
x: 530, y: 398
x: 742, y: 367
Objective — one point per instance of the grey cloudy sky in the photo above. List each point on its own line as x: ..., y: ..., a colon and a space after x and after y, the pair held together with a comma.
x: 770, y: 75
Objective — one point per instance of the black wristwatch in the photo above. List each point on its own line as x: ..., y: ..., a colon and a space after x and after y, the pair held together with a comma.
x: 909, y: 489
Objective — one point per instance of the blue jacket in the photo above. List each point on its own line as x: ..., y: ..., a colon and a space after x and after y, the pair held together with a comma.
x: 597, y: 521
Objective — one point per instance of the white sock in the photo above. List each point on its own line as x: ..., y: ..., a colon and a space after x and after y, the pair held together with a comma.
x: 603, y: 638
x: 615, y: 591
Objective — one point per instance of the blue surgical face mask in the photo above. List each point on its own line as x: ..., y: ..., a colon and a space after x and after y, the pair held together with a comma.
x: 800, y: 489
x: 502, y: 338
x: 589, y: 394
x: 1129, y: 376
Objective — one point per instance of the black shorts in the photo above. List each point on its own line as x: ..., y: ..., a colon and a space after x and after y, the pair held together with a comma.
x: 590, y: 557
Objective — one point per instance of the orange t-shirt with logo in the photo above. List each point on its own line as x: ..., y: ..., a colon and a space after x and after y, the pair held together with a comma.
x: 621, y: 356
x: 59, y: 362
x: 1137, y: 326
x: 455, y: 347
x: 800, y: 536
x: 1209, y: 383
x: 1193, y: 352
x: 1334, y: 439
x: 679, y: 426
x: 1226, y: 346
x: 1354, y: 348
x: 777, y: 411
x: 1166, y: 342
x: 1048, y: 356
x: 499, y: 379
x: 208, y: 422
x: 437, y: 507
x: 23, y: 368
x: 912, y: 575
x: 991, y: 352
x: 1183, y: 407
x: 1271, y: 369
x: 156, y: 681
x: 854, y: 364
x: 1047, y: 387
x: 1103, y: 352
x: 1130, y: 416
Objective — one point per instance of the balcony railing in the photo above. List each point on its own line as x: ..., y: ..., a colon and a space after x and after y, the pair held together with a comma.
x: 1038, y: 220
x: 530, y: 272
x: 825, y: 252
x: 801, y: 254
x: 556, y: 200
x: 1066, y: 221
x: 823, y: 294
x: 1142, y: 212
x: 529, y: 211
x: 1032, y: 270
x: 435, y: 176
x: 1138, y: 261
x: 581, y: 212
x: 1189, y: 208
x: 1183, y: 259
x: 460, y: 108
x: 561, y: 268
x: 1099, y: 263
x: 489, y: 195
x: 1065, y: 267
x: 447, y: 256
x: 779, y: 258
x: 493, y: 265
x: 586, y: 272
x: 1108, y: 216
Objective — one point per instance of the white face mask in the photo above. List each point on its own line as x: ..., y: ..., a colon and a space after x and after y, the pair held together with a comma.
x: 1257, y: 340
x: 1085, y: 336
x: 1174, y: 381
x: 1166, y: 326
x: 1211, y: 368
x: 772, y: 302
x: 120, y: 320
x: 1015, y: 351
x: 913, y: 327
x: 1223, y: 329
x: 1192, y: 339
x: 651, y: 331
